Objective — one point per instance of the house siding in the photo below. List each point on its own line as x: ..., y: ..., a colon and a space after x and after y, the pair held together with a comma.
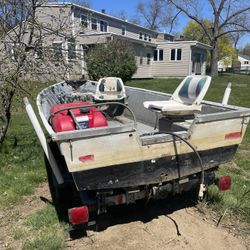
x: 245, y: 63
x: 144, y: 70
x: 57, y: 18
x: 172, y: 68
x: 114, y: 26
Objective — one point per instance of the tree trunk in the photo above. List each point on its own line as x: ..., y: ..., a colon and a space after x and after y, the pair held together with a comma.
x: 5, y: 114
x: 214, y: 59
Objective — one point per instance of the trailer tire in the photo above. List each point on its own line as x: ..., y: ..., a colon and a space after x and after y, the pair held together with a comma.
x: 55, y: 191
x: 60, y: 194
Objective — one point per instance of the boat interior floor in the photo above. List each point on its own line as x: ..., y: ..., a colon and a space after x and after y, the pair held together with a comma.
x: 163, y: 124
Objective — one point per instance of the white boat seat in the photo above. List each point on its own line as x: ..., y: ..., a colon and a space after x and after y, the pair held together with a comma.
x: 110, y: 89
x: 186, y: 100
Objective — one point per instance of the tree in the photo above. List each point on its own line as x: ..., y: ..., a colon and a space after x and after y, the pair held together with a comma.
x: 156, y: 14
x: 229, y: 16
x: 226, y: 51
x: 245, y: 50
x: 85, y: 3
x: 23, y: 54
x: 122, y: 15
x: 236, y: 38
x: 115, y: 58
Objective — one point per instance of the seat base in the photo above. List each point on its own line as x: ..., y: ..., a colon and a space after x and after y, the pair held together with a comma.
x: 172, y: 107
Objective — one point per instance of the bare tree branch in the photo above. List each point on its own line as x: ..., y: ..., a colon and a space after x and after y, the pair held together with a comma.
x: 233, y: 31
x: 156, y: 13
x: 234, y: 15
x: 27, y: 50
x: 173, y: 20
x: 221, y: 6
x: 213, y: 6
x: 196, y: 19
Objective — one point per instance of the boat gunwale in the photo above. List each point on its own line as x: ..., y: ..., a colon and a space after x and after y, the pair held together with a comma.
x: 230, y: 112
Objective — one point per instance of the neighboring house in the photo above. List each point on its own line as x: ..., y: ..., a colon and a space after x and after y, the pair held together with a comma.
x: 157, y: 55
x: 224, y: 64
x: 245, y: 62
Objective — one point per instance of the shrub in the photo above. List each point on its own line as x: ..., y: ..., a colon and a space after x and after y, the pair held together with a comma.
x: 115, y: 58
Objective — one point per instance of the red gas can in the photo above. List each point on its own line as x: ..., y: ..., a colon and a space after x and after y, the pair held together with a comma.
x: 85, y: 118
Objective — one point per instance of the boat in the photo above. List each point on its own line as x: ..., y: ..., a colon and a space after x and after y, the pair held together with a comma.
x: 113, y: 144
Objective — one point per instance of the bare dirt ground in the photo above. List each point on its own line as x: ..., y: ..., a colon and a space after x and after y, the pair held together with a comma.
x: 162, y: 225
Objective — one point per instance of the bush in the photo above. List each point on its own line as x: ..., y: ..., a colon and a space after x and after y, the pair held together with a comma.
x: 115, y: 58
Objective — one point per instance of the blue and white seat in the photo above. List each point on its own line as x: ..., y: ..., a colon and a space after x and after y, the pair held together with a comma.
x: 186, y: 100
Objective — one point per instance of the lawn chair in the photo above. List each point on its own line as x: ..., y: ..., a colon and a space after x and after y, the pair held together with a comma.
x: 186, y: 100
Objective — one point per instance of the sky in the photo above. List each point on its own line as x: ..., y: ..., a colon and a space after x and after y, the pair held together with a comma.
x: 129, y: 6
x: 114, y: 7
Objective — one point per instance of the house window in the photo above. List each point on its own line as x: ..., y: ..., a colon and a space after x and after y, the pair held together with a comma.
x: 57, y: 50
x: 93, y: 23
x: 84, y: 21
x: 158, y: 55
x: 103, y: 26
x: 149, y: 38
x: 123, y: 30
x: 246, y: 62
x: 176, y: 54
x: 145, y: 37
x: 172, y: 55
x: 140, y: 35
x: 71, y: 49
x: 179, y: 52
x: 148, y: 58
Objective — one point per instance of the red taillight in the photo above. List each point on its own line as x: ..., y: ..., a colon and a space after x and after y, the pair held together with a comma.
x: 78, y: 215
x: 224, y: 183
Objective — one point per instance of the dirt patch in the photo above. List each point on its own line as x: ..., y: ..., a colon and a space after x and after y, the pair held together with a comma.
x: 182, y: 229
x: 161, y: 225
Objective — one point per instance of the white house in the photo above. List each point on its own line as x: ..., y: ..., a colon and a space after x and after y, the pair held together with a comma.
x: 226, y: 63
x: 245, y: 62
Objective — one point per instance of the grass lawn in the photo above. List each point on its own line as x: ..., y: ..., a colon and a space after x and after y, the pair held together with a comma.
x: 22, y: 167
x: 21, y: 171
x: 21, y: 156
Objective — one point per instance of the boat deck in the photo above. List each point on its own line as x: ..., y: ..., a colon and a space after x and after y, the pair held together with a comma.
x: 141, y: 127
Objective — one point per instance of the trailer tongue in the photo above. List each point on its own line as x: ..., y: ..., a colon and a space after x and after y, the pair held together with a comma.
x: 114, y: 145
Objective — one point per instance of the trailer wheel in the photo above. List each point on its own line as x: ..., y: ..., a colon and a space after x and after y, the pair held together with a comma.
x: 60, y: 194
x: 55, y: 190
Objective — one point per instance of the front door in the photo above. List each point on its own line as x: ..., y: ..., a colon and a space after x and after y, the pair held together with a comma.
x: 197, y: 63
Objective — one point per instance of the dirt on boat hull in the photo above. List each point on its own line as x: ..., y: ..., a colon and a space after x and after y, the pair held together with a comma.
x: 151, y: 172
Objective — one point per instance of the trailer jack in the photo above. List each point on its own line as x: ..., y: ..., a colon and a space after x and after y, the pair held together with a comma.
x: 202, y: 190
